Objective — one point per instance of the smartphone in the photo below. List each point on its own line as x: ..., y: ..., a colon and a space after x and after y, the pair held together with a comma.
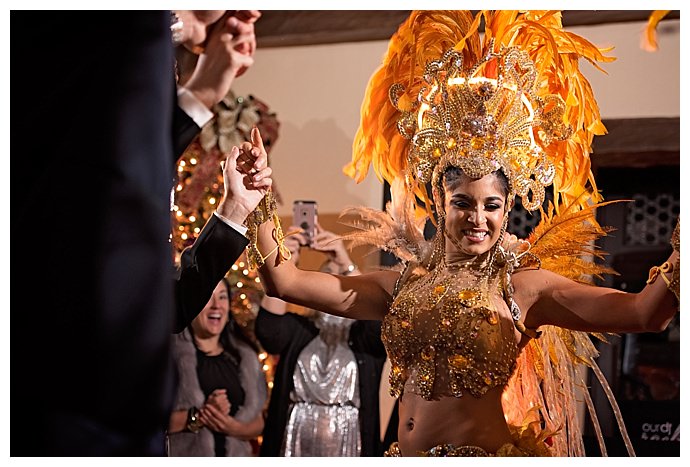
x: 304, y: 215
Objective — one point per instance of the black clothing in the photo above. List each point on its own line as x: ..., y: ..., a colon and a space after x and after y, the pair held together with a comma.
x: 219, y: 372
x: 92, y: 141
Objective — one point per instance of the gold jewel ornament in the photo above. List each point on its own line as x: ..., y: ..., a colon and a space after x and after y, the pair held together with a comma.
x: 675, y: 237
x: 267, y: 209
x: 674, y: 286
x: 485, y: 118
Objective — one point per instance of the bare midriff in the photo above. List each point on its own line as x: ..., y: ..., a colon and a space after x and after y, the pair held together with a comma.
x: 460, y: 421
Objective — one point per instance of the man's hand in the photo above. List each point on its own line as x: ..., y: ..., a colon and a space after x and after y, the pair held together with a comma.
x: 228, y: 54
x: 198, y: 24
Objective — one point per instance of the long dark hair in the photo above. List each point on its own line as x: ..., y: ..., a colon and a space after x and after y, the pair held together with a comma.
x: 232, y: 328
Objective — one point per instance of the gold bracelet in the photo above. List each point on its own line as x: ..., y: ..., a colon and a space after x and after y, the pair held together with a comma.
x: 675, y: 237
x: 193, y: 423
x: 266, y: 210
x: 672, y: 284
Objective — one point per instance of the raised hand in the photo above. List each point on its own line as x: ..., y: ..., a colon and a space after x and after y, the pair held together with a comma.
x: 227, y: 53
x: 247, y: 179
x: 332, y: 245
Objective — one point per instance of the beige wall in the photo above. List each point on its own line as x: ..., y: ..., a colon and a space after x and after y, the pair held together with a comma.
x: 317, y: 92
x: 639, y: 84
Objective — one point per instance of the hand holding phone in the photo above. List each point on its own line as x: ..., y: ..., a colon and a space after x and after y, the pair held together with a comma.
x: 304, y: 215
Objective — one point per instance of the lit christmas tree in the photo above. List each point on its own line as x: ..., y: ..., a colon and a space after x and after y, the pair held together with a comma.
x: 200, y: 187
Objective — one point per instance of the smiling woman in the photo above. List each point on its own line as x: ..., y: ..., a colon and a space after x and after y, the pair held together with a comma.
x: 484, y: 334
x: 476, y: 210
x: 222, y: 388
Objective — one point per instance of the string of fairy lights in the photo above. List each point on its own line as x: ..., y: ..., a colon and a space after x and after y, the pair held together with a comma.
x: 197, y: 192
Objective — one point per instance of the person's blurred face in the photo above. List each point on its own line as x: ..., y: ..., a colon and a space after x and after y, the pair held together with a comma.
x: 474, y: 214
x: 215, y: 315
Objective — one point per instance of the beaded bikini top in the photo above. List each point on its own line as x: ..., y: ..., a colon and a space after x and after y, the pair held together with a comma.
x: 444, y: 335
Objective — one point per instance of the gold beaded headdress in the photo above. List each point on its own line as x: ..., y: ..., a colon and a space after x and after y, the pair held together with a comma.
x: 484, y: 123
x: 516, y: 102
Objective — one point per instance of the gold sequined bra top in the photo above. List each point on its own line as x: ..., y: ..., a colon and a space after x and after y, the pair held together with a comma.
x: 444, y: 335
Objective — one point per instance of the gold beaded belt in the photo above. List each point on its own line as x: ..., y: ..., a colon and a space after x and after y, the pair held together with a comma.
x: 442, y: 450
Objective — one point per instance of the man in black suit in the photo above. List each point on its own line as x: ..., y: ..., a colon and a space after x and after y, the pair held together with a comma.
x: 93, y: 151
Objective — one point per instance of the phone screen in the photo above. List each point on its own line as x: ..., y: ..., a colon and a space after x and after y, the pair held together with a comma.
x: 304, y: 216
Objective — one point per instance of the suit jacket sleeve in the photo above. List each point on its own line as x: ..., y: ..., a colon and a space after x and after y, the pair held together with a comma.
x: 203, y: 265
x: 184, y: 131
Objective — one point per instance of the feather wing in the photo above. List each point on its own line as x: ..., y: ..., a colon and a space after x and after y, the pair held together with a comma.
x: 398, y: 230
x: 564, y: 243
x: 549, y: 381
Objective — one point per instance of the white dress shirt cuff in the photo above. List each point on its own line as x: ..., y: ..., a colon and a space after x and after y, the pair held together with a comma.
x: 240, y: 228
x: 193, y: 107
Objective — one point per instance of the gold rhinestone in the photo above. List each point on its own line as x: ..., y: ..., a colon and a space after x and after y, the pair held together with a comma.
x: 492, y: 319
x: 450, y: 144
x: 405, y: 324
x: 458, y: 361
x: 487, y: 379
x: 437, y: 152
x: 477, y: 142
x: 467, y: 294
x: 439, y: 289
x: 428, y: 353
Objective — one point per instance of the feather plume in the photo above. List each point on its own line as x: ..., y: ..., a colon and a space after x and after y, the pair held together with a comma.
x: 556, y: 54
x: 423, y: 37
x: 564, y: 243
x: 648, y: 41
x: 399, y: 230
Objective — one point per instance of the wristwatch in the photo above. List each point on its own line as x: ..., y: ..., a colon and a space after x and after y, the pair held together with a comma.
x: 193, y: 422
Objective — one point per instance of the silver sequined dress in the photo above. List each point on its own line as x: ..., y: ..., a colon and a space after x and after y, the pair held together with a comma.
x: 324, y: 409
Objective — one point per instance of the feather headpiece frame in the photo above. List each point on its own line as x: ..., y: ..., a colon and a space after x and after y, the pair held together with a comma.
x: 480, y: 123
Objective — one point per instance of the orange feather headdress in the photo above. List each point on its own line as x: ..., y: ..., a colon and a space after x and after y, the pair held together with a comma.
x: 514, y: 100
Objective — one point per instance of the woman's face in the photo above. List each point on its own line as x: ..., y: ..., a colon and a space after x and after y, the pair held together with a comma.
x: 215, y: 315
x: 474, y: 214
